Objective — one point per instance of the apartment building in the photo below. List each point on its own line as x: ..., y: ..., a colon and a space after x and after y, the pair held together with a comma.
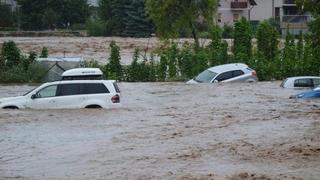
x: 285, y: 11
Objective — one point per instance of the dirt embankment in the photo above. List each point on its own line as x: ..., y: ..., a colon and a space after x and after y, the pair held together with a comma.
x: 167, y: 131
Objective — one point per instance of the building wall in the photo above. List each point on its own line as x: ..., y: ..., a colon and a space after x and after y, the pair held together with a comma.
x: 264, y: 9
x: 227, y: 14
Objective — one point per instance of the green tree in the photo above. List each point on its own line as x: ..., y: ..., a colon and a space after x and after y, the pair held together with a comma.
x: 7, y: 16
x: 267, y: 40
x: 242, y: 41
x: 42, y: 14
x: 113, y: 69
x: 312, y: 6
x: 27, y: 61
x: 136, y: 22
x: 163, y: 67
x: 10, y: 54
x: 134, y: 69
x: 44, y: 52
x: 49, y: 19
x: 288, y: 65
x: 215, y: 47
x: 125, y: 18
x: 172, y: 16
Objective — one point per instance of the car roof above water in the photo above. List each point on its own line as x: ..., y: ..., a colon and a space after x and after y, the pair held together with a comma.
x: 80, y: 82
x: 227, y: 67
x: 303, y: 77
x: 83, y: 72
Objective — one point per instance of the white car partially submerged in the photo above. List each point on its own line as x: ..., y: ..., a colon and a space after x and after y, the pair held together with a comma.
x: 237, y: 72
x: 301, y: 82
x: 70, y: 93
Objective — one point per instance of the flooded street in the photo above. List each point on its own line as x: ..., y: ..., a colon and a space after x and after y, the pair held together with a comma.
x: 167, y: 131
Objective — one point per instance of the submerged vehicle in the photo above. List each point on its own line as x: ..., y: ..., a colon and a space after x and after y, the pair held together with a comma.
x: 237, y: 72
x: 301, y: 82
x: 69, y: 93
x: 315, y: 93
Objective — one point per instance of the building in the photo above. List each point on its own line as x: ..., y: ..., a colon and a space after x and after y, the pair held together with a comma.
x: 285, y: 11
x: 11, y: 3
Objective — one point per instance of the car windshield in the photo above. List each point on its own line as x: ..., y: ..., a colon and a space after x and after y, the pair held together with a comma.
x: 206, y: 76
x: 29, y: 91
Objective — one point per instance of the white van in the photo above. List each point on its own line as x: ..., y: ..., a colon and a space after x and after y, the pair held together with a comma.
x: 68, y: 94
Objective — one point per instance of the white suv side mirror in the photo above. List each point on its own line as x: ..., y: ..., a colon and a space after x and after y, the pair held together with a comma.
x: 34, y: 96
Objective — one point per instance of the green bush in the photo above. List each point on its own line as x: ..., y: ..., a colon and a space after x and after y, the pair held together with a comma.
x: 96, y: 27
x: 44, y: 52
x: 113, y: 69
x: 15, y: 68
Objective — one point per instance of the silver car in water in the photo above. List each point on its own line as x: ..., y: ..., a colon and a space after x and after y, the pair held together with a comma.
x: 237, y: 72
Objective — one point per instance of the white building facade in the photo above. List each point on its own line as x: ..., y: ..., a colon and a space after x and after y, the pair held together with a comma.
x: 285, y: 11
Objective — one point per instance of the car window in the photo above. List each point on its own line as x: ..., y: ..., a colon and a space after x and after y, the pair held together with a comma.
x: 116, y: 87
x: 94, y: 88
x: 206, y: 76
x: 49, y: 91
x: 303, y: 83
x: 224, y: 76
x: 283, y: 82
x: 237, y: 73
x: 316, y: 82
x: 69, y: 89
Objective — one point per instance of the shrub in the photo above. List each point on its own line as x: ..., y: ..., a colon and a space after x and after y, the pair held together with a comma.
x: 227, y: 31
x: 96, y: 27
x: 44, y: 52
x: 10, y: 54
x: 113, y: 68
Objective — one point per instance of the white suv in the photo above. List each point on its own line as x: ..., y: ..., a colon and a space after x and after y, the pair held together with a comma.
x: 68, y: 94
x: 237, y: 72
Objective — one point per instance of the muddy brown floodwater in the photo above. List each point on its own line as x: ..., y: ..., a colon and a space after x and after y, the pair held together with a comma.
x: 167, y: 131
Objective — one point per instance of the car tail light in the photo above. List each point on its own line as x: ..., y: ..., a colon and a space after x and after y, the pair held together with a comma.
x: 115, y: 99
x: 254, y: 73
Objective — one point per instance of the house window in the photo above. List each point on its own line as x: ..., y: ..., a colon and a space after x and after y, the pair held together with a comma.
x: 219, y: 17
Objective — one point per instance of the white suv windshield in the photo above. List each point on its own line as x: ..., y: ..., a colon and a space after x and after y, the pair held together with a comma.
x: 206, y: 76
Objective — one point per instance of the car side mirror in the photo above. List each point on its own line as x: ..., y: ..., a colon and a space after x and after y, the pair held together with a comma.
x: 34, y: 96
x: 215, y: 81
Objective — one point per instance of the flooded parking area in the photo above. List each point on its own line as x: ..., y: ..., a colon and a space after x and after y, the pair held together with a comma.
x: 167, y: 131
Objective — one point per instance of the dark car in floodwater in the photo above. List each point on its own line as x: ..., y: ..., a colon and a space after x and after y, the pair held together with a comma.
x: 315, y: 93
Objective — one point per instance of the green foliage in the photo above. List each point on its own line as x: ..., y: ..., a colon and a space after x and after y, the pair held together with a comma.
x: 96, y: 27
x: 91, y: 64
x: 50, y: 14
x: 113, y: 69
x: 29, y: 60
x: 10, y: 54
x: 44, y: 52
x: 267, y: 40
x: 125, y: 18
x: 49, y: 19
x: 228, y: 31
x: 15, y: 68
x: 7, y: 16
x: 170, y: 16
x: 312, y: 6
x: 242, y: 41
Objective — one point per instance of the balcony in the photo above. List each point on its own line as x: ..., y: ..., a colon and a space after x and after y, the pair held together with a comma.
x: 295, y: 21
x: 296, y: 18
x: 239, y: 5
x: 289, y: 3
